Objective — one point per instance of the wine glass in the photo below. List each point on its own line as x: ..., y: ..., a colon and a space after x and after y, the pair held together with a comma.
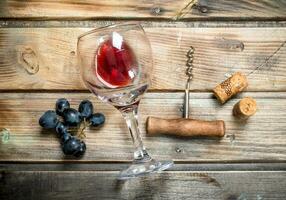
x: 116, y: 65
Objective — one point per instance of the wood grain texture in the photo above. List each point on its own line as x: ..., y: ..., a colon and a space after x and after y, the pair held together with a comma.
x: 45, y: 58
x: 130, y: 9
x: 261, y: 138
x: 168, y: 185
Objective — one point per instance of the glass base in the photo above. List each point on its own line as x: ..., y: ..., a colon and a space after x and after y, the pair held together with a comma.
x: 139, y: 168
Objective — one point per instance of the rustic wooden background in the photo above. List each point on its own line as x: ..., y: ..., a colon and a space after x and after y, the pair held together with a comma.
x: 38, y: 65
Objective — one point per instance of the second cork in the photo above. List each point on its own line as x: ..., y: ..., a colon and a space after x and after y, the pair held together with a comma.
x: 245, y: 108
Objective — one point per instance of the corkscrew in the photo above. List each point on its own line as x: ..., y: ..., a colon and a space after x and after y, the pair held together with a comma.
x: 186, y: 126
x: 189, y: 69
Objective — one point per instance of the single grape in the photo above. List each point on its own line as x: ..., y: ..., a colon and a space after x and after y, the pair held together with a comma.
x: 85, y: 108
x: 81, y: 150
x: 71, y: 117
x: 97, y: 119
x: 65, y: 137
x: 61, y: 129
x: 48, y: 120
x: 61, y: 105
x: 71, y: 146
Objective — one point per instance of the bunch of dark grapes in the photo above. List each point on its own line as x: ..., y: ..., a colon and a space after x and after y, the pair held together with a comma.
x: 66, y: 117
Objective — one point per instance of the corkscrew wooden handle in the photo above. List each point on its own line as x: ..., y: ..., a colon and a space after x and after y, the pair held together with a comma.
x: 185, y: 127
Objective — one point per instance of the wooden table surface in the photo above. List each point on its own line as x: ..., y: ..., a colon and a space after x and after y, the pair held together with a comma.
x: 38, y: 65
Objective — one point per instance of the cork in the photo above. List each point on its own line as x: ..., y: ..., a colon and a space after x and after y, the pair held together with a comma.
x: 230, y: 87
x: 245, y: 108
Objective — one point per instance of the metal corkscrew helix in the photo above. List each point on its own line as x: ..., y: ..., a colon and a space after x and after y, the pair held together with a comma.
x: 189, y: 69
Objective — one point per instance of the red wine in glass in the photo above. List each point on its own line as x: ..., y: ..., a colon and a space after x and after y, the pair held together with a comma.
x: 116, y: 64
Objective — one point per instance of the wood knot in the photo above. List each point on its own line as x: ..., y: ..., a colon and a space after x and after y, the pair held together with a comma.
x: 29, y: 60
x: 202, y: 9
x: 201, y: 6
x: 178, y: 150
x: 5, y: 135
x: 157, y: 11
x: 72, y: 53
x: 230, y: 44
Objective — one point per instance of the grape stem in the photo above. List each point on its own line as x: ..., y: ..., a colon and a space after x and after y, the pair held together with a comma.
x: 81, y: 133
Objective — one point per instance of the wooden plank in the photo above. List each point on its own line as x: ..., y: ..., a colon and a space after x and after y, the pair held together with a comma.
x: 261, y: 138
x: 168, y: 185
x: 204, y: 9
x: 45, y: 58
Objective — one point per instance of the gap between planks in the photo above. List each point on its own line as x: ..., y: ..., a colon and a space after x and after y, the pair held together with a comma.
x: 150, y: 91
x: 146, y: 24
x: 116, y: 166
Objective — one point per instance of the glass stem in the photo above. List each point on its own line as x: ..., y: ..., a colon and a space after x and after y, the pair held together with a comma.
x: 130, y: 114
